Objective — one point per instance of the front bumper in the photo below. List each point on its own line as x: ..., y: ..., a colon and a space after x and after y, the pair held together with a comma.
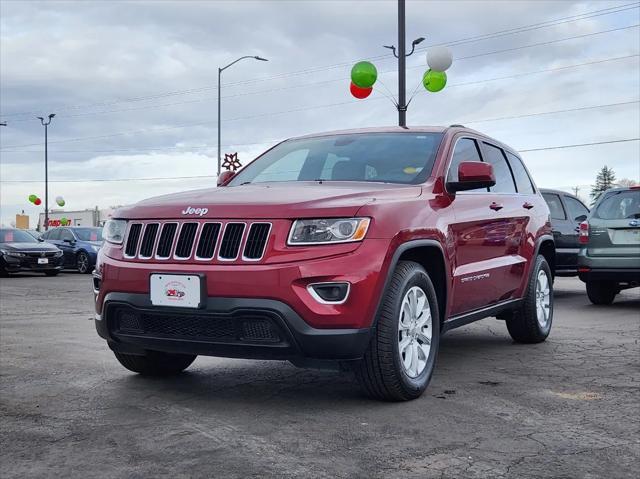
x: 14, y: 264
x: 227, y: 327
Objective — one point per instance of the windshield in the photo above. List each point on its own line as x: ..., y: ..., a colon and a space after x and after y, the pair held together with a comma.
x: 88, y: 234
x: 381, y: 157
x: 617, y: 205
x: 16, y: 236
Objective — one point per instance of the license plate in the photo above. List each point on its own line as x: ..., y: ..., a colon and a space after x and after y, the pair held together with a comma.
x: 180, y: 290
x: 43, y: 260
x: 625, y: 236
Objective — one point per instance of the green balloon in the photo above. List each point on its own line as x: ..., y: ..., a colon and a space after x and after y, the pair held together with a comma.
x: 63, y: 221
x: 32, y: 198
x: 434, y: 81
x: 364, y: 74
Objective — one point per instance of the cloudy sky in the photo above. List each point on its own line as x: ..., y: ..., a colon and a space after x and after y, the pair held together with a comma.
x: 133, y: 86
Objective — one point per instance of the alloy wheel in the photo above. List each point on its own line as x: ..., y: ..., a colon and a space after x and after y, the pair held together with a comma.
x: 414, y: 331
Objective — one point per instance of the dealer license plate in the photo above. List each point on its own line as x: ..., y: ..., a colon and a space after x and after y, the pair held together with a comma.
x: 178, y: 290
x: 43, y: 260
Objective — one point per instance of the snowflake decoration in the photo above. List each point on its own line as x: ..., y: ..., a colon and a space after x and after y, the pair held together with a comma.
x: 231, y: 162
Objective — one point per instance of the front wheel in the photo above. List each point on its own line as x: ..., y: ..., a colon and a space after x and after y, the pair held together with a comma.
x: 156, y: 363
x: 531, y: 323
x: 83, y: 263
x: 401, y: 356
x: 601, y: 292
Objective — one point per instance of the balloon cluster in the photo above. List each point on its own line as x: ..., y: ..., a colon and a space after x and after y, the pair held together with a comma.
x: 439, y: 59
x: 35, y: 200
x: 363, y: 76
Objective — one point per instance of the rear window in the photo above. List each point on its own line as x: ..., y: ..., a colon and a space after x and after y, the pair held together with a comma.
x: 619, y: 205
x: 555, y: 206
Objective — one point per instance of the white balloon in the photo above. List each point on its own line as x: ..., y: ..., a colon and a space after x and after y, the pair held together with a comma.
x: 439, y: 58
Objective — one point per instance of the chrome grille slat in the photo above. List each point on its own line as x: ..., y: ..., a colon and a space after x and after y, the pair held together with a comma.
x: 187, y: 235
x: 231, y: 239
x: 148, y: 240
x: 256, y: 241
x: 208, y: 240
x: 132, y: 240
x: 166, y: 240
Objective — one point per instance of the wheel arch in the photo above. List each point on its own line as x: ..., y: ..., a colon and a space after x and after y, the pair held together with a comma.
x: 430, y: 255
x: 546, y: 247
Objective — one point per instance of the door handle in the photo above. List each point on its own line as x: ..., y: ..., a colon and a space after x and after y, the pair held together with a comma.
x: 495, y: 206
x: 527, y: 206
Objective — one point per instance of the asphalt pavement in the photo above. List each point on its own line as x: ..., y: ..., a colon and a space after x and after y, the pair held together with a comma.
x: 569, y: 407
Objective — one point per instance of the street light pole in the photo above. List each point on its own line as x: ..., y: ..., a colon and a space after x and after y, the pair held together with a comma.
x: 402, y: 80
x: 220, y: 70
x: 46, y: 168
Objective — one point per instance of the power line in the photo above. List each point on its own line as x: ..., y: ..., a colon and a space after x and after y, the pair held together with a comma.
x: 158, y: 178
x: 304, y: 85
x: 199, y: 147
x: 487, y: 36
x: 351, y: 102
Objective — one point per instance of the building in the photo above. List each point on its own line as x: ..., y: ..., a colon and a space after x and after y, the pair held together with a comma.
x: 91, y: 217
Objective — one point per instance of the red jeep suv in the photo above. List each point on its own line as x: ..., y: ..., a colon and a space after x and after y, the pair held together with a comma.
x: 354, y: 248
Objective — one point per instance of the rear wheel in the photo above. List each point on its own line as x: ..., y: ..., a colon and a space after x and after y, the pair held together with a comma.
x: 82, y: 262
x: 156, y: 363
x: 401, y: 356
x: 531, y: 323
x: 601, y: 292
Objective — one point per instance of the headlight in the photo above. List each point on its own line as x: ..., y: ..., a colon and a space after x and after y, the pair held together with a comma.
x: 113, y: 231
x: 15, y: 254
x: 58, y: 254
x: 328, y: 230
x: 96, y: 248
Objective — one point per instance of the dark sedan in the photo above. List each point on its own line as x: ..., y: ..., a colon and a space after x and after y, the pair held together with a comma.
x: 19, y: 251
x: 80, y: 245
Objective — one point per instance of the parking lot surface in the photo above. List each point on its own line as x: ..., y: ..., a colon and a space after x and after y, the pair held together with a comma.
x: 569, y: 407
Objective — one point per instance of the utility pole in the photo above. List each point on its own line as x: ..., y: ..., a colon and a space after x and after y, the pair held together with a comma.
x: 46, y: 169
x: 402, y: 71
x: 576, y: 189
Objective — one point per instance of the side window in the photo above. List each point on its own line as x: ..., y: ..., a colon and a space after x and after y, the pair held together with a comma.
x: 466, y: 149
x: 287, y: 169
x: 504, y: 178
x: 575, y: 209
x: 66, y: 235
x: 523, y: 181
x: 53, y: 234
x: 555, y: 206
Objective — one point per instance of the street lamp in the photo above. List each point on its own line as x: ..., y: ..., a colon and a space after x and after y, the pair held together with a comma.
x: 46, y: 169
x: 220, y: 70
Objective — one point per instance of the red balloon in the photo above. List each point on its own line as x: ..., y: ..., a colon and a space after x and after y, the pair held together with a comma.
x: 37, y: 202
x: 360, y: 93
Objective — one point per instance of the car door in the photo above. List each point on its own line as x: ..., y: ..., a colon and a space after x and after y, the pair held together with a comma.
x: 563, y: 231
x: 485, y: 264
x: 67, y: 245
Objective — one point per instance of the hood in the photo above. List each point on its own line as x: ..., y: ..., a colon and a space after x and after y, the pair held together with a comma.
x: 28, y: 247
x: 285, y: 200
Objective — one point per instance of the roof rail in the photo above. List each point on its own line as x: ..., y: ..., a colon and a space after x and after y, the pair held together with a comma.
x: 457, y: 125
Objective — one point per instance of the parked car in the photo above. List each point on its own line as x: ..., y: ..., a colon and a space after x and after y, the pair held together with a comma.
x: 19, y: 251
x: 79, y: 244
x: 567, y: 212
x: 609, y: 259
x: 360, y: 247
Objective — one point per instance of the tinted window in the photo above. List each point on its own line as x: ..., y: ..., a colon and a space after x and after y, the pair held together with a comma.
x: 617, y: 205
x: 383, y: 157
x: 555, y: 206
x: 53, y: 234
x: 466, y: 149
x: 501, y: 170
x: 88, y: 234
x: 16, y: 236
x: 575, y: 209
x: 523, y: 181
x: 66, y: 235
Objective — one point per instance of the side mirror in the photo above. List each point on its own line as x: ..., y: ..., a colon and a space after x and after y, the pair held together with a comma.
x: 225, y: 177
x: 472, y: 175
x: 580, y: 219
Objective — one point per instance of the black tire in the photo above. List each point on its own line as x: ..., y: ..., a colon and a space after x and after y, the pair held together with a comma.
x: 601, y: 292
x: 380, y: 372
x: 156, y: 363
x: 52, y: 273
x: 523, y: 324
x: 83, y: 263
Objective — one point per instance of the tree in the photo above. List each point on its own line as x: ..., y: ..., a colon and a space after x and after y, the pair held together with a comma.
x: 626, y: 182
x: 605, y: 179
